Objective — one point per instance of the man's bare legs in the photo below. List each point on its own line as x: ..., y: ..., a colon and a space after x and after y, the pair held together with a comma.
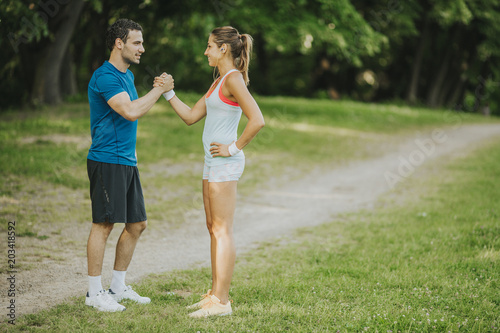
x: 126, y: 244
x: 125, y: 247
x: 96, y: 246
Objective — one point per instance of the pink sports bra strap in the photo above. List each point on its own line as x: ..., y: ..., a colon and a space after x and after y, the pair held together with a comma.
x: 221, y: 95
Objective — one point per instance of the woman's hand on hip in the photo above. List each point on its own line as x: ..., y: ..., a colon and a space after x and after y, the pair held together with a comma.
x: 219, y: 149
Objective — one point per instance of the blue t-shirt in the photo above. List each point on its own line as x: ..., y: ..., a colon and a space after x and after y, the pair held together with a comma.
x: 113, y: 137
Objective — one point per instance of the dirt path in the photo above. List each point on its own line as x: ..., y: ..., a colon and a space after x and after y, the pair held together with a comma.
x: 267, y: 214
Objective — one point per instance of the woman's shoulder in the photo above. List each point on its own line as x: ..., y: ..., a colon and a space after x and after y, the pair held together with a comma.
x: 234, y: 78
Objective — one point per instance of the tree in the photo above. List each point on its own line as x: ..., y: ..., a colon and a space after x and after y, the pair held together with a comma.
x: 449, y: 61
x: 20, y: 25
x: 39, y: 37
x: 53, y: 54
x: 441, y: 53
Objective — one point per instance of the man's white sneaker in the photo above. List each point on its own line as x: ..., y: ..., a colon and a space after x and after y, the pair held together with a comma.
x: 129, y: 293
x: 103, y: 302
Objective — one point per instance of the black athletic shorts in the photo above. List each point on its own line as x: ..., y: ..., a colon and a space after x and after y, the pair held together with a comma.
x: 116, y: 193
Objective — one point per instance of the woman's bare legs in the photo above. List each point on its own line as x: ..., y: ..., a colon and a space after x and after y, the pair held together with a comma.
x: 219, y: 206
x: 213, y: 243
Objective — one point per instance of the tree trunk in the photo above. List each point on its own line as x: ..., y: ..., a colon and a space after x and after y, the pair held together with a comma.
x: 46, y: 84
x: 445, y: 90
x: 437, y: 85
x: 457, y: 94
x: 262, y: 58
x: 469, y: 56
x: 68, y: 76
x: 480, y: 93
x: 412, y: 94
x: 440, y: 88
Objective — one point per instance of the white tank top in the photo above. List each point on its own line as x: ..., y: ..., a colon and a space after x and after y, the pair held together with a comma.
x: 221, y: 123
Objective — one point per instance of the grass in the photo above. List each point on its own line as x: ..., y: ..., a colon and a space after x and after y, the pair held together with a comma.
x: 397, y: 269
x: 29, y: 148
x: 45, y: 151
x: 43, y: 154
x: 428, y: 263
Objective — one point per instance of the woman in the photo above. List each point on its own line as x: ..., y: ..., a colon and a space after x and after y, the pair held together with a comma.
x: 229, y: 53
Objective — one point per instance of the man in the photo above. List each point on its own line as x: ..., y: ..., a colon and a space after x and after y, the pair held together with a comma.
x: 115, y: 187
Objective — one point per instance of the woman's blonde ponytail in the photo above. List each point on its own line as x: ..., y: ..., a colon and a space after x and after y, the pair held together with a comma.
x: 246, y: 52
x: 241, y: 47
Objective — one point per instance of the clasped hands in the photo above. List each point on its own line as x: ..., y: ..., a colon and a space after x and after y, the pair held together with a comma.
x: 164, y: 81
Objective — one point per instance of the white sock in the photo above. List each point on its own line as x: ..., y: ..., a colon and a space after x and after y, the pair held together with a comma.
x: 95, y: 285
x: 118, y: 281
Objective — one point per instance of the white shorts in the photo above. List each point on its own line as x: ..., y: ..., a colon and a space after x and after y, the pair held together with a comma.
x: 224, y: 172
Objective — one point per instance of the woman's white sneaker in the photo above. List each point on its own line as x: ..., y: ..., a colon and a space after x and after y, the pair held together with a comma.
x: 103, y: 302
x: 129, y: 293
x: 213, y: 308
x: 205, y: 298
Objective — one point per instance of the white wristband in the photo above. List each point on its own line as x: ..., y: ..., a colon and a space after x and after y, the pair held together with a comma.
x: 233, y: 150
x: 169, y: 95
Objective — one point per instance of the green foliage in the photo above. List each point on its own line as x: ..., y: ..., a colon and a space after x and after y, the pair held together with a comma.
x: 22, y: 22
x: 363, y: 50
x: 448, y: 13
x: 309, y: 27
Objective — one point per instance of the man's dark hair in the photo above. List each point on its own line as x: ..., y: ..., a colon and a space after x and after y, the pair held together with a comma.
x: 120, y: 29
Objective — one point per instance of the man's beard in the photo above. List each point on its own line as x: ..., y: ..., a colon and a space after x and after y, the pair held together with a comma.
x: 131, y: 60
